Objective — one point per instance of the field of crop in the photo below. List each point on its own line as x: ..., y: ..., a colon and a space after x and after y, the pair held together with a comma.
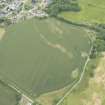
x: 92, y: 11
x: 40, y: 56
x: 2, y: 32
x: 7, y: 96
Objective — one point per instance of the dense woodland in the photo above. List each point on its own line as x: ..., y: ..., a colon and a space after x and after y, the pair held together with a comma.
x: 58, y: 6
x: 100, y: 40
x: 99, y: 44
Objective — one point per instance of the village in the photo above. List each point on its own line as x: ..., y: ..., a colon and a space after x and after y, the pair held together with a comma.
x: 17, y: 10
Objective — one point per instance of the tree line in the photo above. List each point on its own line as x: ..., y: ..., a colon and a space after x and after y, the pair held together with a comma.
x: 58, y: 6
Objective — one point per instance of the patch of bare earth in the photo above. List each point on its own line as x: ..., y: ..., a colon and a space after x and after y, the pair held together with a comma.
x: 95, y: 100
x: 25, y: 100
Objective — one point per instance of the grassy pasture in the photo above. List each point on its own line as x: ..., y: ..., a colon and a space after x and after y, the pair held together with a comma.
x: 94, y: 93
x: 93, y: 11
x: 7, y: 96
x: 40, y: 55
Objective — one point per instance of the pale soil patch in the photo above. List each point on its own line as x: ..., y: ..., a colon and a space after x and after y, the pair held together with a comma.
x: 95, y: 100
x: 25, y: 100
x: 96, y: 86
x: 2, y: 32
x: 61, y: 48
x: 100, y: 73
x: 84, y: 54
x: 75, y: 73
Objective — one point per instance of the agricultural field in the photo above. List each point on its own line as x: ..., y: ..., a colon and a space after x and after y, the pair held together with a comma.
x: 92, y: 11
x: 7, y: 95
x: 94, y: 93
x: 39, y: 56
x: 2, y: 32
x: 53, y: 97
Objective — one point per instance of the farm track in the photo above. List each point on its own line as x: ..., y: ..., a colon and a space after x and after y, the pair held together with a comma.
x: 78, y: 82
x: 16, y: 89
x: 69, y: 86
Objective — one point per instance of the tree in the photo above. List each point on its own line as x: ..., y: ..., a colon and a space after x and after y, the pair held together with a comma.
x: 58, y: 6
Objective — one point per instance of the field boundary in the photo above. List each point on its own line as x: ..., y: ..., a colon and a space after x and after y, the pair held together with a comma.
x: 67, y: 87
x: 21, y: 91
x: 78, y: 82
x: 16, y: 89
x: 83, y: 25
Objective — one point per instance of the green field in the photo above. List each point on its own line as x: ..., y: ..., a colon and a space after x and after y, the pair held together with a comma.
x: 92, y: 11
x: 40, y: 56
x: 7, y: 96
